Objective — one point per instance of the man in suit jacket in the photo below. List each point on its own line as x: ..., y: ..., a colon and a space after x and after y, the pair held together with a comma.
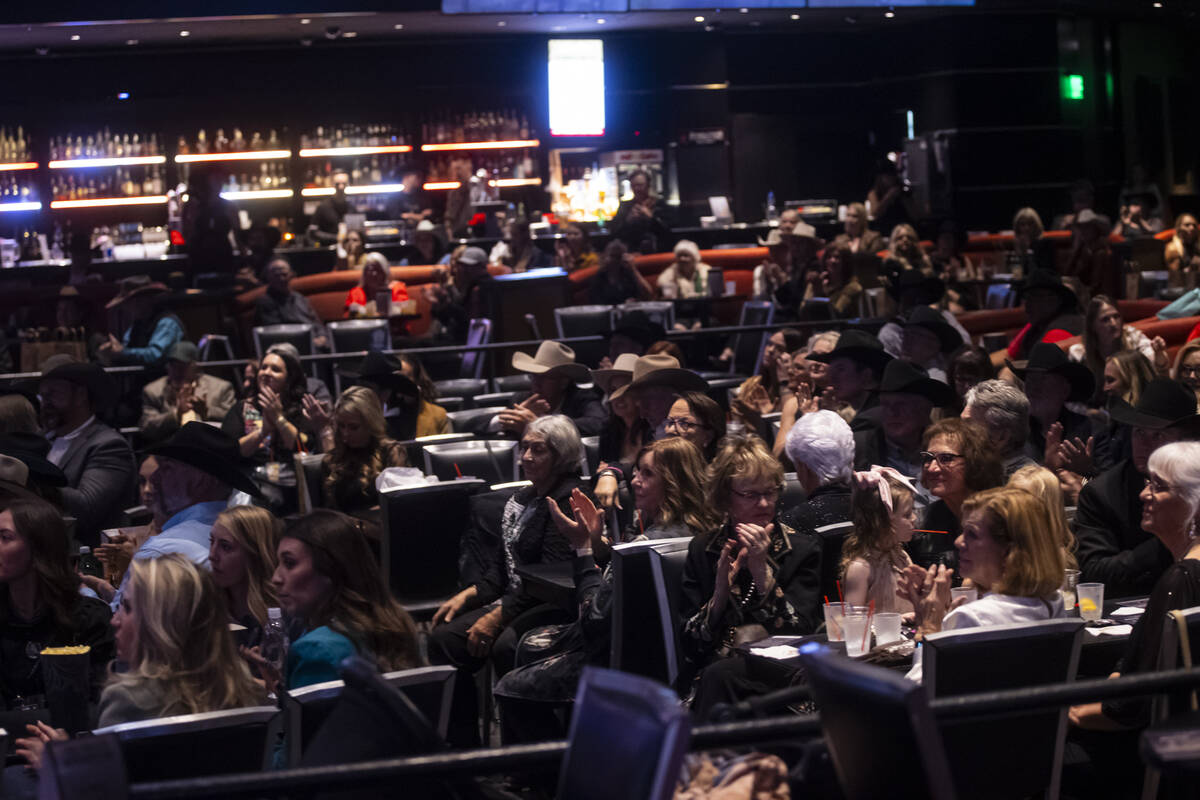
x: 182, y: 395
x: 96, y: 459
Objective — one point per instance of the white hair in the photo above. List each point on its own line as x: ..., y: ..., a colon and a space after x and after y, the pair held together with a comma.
x: 822, y: 441
x: 824, y: 336
x: 1178, y: 464
x: 562, y: 437
x: 687, y: 246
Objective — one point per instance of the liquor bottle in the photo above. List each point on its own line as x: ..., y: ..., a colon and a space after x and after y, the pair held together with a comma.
x: 182, y: 147
x: 238, y: 144
x: 221, y: 143
x: 201, y: 142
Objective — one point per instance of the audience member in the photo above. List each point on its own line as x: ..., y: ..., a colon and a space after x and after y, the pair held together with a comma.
x: 574, y: 251
x: 641, y: 221
x: 856, y: 236
x: 184, y: 394
x: 18, y: 413
x: 1105, y: 334
x: 958, y: 461
x: 44, y: 479
x: 1052, y: 311
x: 150, y: 329
x: 1052, y: 381
x: 914, y: 291
x: 352, y: 250
x: 454, y: 303
x: 948, y: 259
x: 751, y: 575
x: 855, y: 365
x: 772, y: 278
x: 1030, y: 251
x: 272, y: 425
x: 1113, y: 547
x: 40, y: 603
x: 803, y: 247
x: 554, y: 378
x: 698, y: 418
x: 1044, y: 485
x: 1091, y: 260
x: 97, y: 460
x: 618, y: 279
x: 634, y: 332
x: 1083, y: 196
x: 410, y: 204
x: 279, y: 304
x: 766, y: 391
x: 1005, y: 552
x: 357, y: 449
x: 426, y: 246
x: 890, y: 201
x: 328, y: 578
x: 927, y: 340
x: 1133, y: 222
x: 624, y: 432
x: 809, y: 385
x: 1003, y: 411
x: 821, y: 446
x: 404, y: 391
x: 518, y: 252
x: 331, y: 212
x: 968, y: 366
x: 835, y: 280
x: 242, y: 557
x: 363, y: 300
x: 1187, y: 366
x: 687, y: 276
x: 1182, y: 253
x: 873, y: 554
x: 905, y: 253
x: 657, y: 381
x: 1125, y: 377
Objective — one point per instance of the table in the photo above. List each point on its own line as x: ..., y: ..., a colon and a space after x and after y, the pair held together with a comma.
x: 552, y: 583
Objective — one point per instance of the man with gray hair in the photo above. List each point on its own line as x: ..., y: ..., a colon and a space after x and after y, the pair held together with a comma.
x: 1003, y: 410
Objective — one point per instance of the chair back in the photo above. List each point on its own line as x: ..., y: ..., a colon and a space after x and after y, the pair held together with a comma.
x: 716, y: 281
x: 492, y: 460
x: 466, y: 388
x: 299, y: 334
x: 306, y: 709
x: 628, y: 721
x: 719, y: 390
x: 585, y: 321
x: 832, y: 538
x: 422, y: 526
x: 660, y: 311
x: 309, y: 488
x: 1000, y: 295
x: 591, y: 453
x: 646, y: 582
x: 87, y: 768
x: 479, y: 331
x: 504, y: 399
x: 748, y: 347
x: 511, y: 383
x: 881, y: 735
x: 1013, y: 755
x: 473, y: 420
x: 793, y: 493
x: 535, y: 332
x: 194, y: 745
x: 354, y: 335
x: 1170, y: 656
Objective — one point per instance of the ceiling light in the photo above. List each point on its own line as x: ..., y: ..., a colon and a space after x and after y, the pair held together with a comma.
x: 889, y: 14
x: 399, y: 26
x: 74, y: 37
x: 1158, y: 5
x: 501, y: 24
x: 131, y: 41
x: 743, y: 11
x: 699, y: 19
x: 601, y: 21
x: 795, y: 16
x: 349, y: 34
x: 305, y: 21
x: 185, y: 34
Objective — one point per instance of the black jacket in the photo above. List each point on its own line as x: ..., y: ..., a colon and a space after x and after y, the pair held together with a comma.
x: 584, y: 408
x: 89, y: 625
x: 1111, y: 546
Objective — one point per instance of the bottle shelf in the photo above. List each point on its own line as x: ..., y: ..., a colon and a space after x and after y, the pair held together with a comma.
x: 243, y: 155
x: 31, y: 205
x: 16, y: 165
x: 120, y: 161
x: 501, y: 183
x: 506, y: 145
x: 100, y: 202
x: 369, y: 150
x: 374, y: 188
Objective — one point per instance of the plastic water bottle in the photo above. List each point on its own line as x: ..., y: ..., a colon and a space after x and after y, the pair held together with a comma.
x: 89, y: 564
x: 274, y: 642
x: 772, y: 214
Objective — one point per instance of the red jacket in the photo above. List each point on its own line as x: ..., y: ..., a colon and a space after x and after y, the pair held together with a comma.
x: 359, y: 297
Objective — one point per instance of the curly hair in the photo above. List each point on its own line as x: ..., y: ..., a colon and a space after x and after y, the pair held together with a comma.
x: 681, y: 466
x: 358, y: 466
x: 984, y: 470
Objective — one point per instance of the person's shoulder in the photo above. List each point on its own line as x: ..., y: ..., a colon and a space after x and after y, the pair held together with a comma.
x: 129, y: 701
x: 100, y: 434
x: 211, y: 382
x: 323, y: 644
x: 88, y: 612
x: 156, y: 387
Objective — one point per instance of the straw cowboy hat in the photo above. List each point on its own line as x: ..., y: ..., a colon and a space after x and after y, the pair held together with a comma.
x: 621, y: 368
x: 661, y: 369
x: 552, y: 358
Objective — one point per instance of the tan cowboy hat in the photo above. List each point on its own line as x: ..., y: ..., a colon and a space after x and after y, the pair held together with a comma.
x: 661, y: 369
x: 136, y: 286
x: 14, y: 477
x: 552, y: 358
x: 774, y: 239
x: 802, y: 230
x: 621, y: 368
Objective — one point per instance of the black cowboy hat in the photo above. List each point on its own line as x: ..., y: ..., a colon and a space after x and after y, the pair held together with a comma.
x: 1164, y: 403
x: 933, y: 321
x: 383, y: 370
x: 903, y: 377
x: 911, y: 280
x: 208, y: 449
x: 1046, y: 357
x: 1045, y: 279
x: 638, y: 326
x: 858, y: 346
x: 102, y: 389
x: 31, y: 450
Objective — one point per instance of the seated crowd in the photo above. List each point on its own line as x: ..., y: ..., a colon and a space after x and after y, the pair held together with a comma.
x: 906, y: 462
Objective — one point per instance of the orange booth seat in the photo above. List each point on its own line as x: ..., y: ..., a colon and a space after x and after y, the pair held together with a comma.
x: 737, y: 263
x: 1173, y: 331
x: 1010, y: 321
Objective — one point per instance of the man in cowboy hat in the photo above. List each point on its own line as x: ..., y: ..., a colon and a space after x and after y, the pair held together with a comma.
x: 775, y: 271
x: 657, y: 380
x: 1111, y: 544
x: 150, y: 329
x: 97, y: 460
x: 1052, y: 311
x: 912, y: 290
x: 1091, y: 259
x: 927, y: 340
x: 554, y: 379
x: 184, y: 394
x: 856, y: 364
x: 1003, y: 410
x: 907, y: 397
x: 194, y: 474
x: 1051, y: 381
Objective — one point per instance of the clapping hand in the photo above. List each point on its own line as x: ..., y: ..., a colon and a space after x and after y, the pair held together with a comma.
x: 513, y: 420
x: 317, y: 413
x: 754, y: 540
x: 929, y: 593
x: 587, y: 523
x: 271, y: 676
x: 728, y: 567
x: 269, y: 404
x: 1076, y: 456
x: 32, y: 748
x: 1052, y: 456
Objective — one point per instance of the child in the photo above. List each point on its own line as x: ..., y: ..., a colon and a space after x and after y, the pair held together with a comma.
x: 873, y: 555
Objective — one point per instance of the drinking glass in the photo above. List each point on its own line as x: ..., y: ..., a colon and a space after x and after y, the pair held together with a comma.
x: 833, y: 621
x: 1091, y: 600
x: 886, y: 626
x: 1070, y: 581
x: 854, y: 625
x: 969, y: 592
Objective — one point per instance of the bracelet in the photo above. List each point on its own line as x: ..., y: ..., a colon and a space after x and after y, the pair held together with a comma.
x: 614, y: 471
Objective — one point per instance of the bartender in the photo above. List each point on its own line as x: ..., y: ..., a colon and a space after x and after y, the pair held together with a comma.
x: 641, y: 222
x: 409, y: 204
x: 323, y: 227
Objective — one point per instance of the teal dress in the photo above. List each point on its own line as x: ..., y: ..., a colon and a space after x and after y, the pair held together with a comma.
x: 315, y: 656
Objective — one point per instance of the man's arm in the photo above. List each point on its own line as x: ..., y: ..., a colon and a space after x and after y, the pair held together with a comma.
x: 166, y: 333
x: 220, y: 401
x: 105, y: 485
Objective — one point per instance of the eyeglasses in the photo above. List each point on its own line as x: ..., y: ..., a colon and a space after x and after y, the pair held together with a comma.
x: 943, y: 459
x: 682, y: 424
x: 1158, y: 486
x: 1189, y: 372
x: 771, y: 495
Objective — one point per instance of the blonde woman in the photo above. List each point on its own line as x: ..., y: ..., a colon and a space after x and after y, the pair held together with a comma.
x: 1043, y: 484
x: 1030, y: 250
x: 242, y: 555
x: 358, y: 449
x: 1187, y: 366
x: 1182, y: 253
x: 905, y: 250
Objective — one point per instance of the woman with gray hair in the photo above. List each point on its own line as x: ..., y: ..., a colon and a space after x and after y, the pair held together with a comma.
x: 1003, y: 410
x: 1170, y: 511
x: 687, y: 276
x: 487, y: 618
x: 821, y: 447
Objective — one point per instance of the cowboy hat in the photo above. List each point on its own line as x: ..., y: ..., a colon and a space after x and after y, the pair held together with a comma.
x: 802, y: 230
x: 858, y: 346
x: 1045, y: 279
x: 31, y: 449
x: 621, y: 368
x: 1046, y: 357
x: 661, y: 369
x: 552, y: 358
x: 209, y: 450
x: 1090, y: 217
x: 774, y: 239
x: 184, y: 351
x: 136, y: 286
x: 102, y: 389
x: 933, y: 321
x: 902, y: 377
x: 383, y: 370
x: 14, y: 477
x: 1163, y: 403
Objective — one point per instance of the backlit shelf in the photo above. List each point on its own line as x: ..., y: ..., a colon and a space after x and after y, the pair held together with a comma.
x: 15, y: 165
x: 502, y: 183
x: 434, y: 186
x: 27, y: 206
x: 508, y: 145
x: 375, y: 188
x: 123, y: 161
x: 243, y: 155
x: 257, y: 194
x: 99, y: 202
x: 370, y: 150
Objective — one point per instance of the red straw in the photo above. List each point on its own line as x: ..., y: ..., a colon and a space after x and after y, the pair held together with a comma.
x: 841, y: 599
x: 826, y: 598
x: 457, y: 471
x: 867, y: 629
x: 641, y: 527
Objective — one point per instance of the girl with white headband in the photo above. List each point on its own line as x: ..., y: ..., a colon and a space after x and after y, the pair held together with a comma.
x: 873, y: 555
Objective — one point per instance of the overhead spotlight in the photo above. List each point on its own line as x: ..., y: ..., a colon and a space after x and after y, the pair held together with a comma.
x: 349, y: 34
x: 889, y: 14
x: 601, y: 21
x: 743, y: 11
x: 795, y: 16
x: 74, y: 37
x: 1158, y: 5
x: 502, y: 24
x: 185, y: 34
x: 305, y: 21
x: 131, y: 42
x: 399, y: 26
x: 699, y: 19
x: 122, y: 95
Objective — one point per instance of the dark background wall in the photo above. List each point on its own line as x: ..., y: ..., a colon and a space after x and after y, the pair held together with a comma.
x: 807, y: 113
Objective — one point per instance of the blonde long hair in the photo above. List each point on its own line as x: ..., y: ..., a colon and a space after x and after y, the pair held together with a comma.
x: 360, y: 467
x: 1016, y: 519
x: 1043, y: 484
x: 184, y: 646
x: 681, y: 466
x: 257, y: 531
